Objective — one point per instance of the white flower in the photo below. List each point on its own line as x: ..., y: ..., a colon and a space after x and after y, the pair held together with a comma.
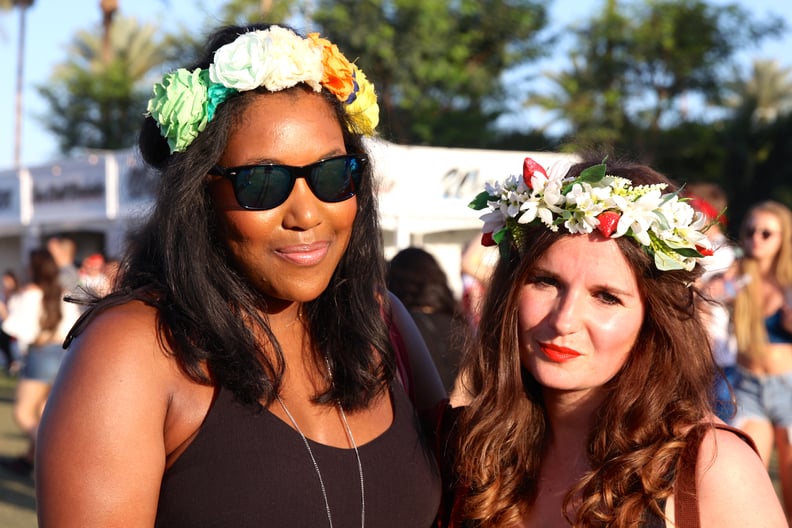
x: 493, y: 221
x: 242, y: 64
x: 552, y: 195
x: 638, y: 216
x: 666, y: 226
x: 529, y: 209
x: 297, y: 59
x: 274, y: 58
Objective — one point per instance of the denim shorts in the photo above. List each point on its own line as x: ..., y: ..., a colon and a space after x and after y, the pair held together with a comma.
x: 42, y: 362
x: 767, y: 398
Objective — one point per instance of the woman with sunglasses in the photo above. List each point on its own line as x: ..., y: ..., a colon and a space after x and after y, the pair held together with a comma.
x: 250, y: 368
x: 591, y: 372
x: 762, y: 320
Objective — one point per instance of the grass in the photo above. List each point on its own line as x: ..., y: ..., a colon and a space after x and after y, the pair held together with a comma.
x: 17, y: 496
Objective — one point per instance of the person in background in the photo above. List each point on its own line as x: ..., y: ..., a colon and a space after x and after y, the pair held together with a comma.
x: 91, y: 274
x: 475, y: 266
x: 591, y: 374
x: 38, y: 319
x: 417, y: 279
x: 8, y: 347
x: 244, y: 372
x: 710, y: 200
x: 762, y: 312
x: 64, y: 250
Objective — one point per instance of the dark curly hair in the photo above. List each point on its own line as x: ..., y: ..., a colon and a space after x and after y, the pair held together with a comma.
x: 209, y: 313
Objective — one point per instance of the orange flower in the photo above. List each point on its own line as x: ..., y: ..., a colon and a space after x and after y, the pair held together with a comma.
x: 338, y: 78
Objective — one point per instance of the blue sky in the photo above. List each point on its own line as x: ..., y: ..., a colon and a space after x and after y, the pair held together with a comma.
x: 51, y: 24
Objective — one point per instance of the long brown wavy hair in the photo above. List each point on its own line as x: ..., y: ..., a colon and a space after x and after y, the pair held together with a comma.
x: 639, y: 430
x: 44, y: 274
x: 749, y: 327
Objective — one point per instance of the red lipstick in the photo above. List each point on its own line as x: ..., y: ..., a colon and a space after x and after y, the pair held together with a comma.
x: 558, y: 354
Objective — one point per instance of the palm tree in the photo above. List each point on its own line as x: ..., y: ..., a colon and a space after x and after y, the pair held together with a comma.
x: 97, y: 104
x: 768, y: 90
x: 109, y: 9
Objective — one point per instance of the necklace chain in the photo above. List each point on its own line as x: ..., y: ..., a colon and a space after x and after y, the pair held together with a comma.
x: 316, y: 465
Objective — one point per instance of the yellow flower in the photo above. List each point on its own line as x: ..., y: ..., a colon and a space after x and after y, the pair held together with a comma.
x: 364, y: 110
x: 338, y: 71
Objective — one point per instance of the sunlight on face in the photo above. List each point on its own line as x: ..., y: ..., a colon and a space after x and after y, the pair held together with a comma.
x: 580, y: 314
x: 291, y: 251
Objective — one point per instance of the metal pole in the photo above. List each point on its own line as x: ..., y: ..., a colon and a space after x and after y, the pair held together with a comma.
x: 23, y: 5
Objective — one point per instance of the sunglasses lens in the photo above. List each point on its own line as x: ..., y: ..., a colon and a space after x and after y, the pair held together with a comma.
x: 263, y: 187
x: 336, y: 179
x: 764, y: 233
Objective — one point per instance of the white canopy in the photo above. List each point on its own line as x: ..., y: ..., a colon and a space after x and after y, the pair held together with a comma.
x: 427, y: 189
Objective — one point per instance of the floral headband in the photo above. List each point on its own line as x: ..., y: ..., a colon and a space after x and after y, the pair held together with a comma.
x: 667, y: 227
x: 275, y: 58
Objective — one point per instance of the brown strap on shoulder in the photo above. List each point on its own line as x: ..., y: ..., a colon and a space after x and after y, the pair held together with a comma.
x: 686, y: 510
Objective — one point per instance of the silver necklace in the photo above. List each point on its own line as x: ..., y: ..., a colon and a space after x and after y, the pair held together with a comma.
x: 316, y: 465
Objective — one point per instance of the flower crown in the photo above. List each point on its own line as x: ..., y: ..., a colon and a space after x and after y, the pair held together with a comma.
x: 275, y: 58
x: 667, y: 227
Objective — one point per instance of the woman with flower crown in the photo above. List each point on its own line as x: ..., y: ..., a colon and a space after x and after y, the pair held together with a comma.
x: 590, y: 378
x: 250, y: 367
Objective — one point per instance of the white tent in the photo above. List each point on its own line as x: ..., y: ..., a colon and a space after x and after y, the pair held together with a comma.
x: 425, y: 191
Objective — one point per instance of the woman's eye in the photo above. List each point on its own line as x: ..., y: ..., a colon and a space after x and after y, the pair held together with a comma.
x: 542, y: 281
x: 608, y: 298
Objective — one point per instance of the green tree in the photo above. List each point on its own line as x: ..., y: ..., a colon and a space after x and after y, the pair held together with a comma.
x: 635, y: 63
x: 437, y: 64
x: 95, y: 103
x: 186, y: 44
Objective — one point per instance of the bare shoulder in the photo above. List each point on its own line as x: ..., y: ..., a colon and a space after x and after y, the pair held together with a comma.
x: 733, y: 484
x: 101, y: 446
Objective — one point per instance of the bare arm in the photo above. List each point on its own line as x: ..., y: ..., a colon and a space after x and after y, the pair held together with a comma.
x: 100, y: 453
x: 429, y: 388
x: 734, y: 488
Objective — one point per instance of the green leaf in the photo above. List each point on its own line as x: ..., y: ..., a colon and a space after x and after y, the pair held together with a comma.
x: 497, y: 237
x: 688, y: 252
x: 480, y: 201
x: 592, y: 174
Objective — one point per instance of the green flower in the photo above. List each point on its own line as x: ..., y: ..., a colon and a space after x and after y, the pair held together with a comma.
x: 179, y: 106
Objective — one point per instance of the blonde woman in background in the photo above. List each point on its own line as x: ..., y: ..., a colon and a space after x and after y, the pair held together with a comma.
x: 763, y: 327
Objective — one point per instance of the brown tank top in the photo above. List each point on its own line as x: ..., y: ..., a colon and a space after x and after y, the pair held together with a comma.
x: 247, y: 468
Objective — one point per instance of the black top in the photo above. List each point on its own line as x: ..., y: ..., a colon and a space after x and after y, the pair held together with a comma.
x: 248, y: 468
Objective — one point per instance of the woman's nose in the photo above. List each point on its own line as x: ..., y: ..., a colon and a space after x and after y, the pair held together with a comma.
x: 567, y: 315
x: 302, y: 209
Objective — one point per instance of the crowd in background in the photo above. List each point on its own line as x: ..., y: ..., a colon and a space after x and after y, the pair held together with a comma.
x: 37, y: 311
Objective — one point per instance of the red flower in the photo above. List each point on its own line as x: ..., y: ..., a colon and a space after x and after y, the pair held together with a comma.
x: 487, y: 240
x: 607, y: 222
x: 707, y: 252
x: 529, y: 167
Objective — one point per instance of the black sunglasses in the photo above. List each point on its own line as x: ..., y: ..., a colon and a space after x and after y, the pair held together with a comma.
x: 765, y: 233
x: 262, y: 187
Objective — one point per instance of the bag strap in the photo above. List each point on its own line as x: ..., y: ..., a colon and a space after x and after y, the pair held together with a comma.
x: 686, y: 508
